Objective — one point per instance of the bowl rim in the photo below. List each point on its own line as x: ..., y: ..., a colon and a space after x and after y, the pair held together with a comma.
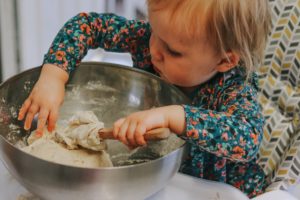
x: 93, y: 63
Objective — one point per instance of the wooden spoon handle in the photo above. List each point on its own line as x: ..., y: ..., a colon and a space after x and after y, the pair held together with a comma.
x: 154, y: 134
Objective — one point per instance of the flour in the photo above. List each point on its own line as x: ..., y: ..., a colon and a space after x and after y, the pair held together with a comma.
x: 48, y: 149
x: 98, y: 85
x: 27, y: 196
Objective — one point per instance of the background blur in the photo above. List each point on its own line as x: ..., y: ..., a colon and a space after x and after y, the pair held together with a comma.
x: 27, y: 28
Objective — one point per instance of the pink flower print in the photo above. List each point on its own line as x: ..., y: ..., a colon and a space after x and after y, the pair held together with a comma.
x: 193, y: 134
x: 242, y: 170
x: 98, y: 24
x: 193, y: 122
x: 231, y: 109
x: 60, y: 55
x: 61, y: 45
x: 220, y: 164
x: 112, y: 20
x: 225, y: 136
x: 146, y: 51
x: 81, y: 48
x: 81, y: 38
x: 199, y: 164
x: 116, y: 38
x: 204, y: 133
x: 242, y: 141
x: 239, y: 152
x: 65, y: 65
x: 244, y: 120
x: 133, y: 48
x: 238, y: 184
x: 141, y: 32
x: 220, y: 151
x: 204, y: 116
x: 89, y: 41
x: 85, y: 28
x: 83, y: 14
x: 140, y: 64
x: 125, y: 30
x: 69, y: 31
x: 218, y: 116
x: 254, y: 138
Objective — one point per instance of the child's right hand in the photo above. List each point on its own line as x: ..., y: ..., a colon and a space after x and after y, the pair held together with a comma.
x: 45, y: 98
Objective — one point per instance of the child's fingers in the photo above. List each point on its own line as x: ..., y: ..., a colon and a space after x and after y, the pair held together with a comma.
x: 139, y: 135
x: 53, y: 116
x: 117, y: 126
x: 43, y: 116
x: 33, y: 109
x: 122, y: 133
x: 130, y: 134
x: 24, y: 109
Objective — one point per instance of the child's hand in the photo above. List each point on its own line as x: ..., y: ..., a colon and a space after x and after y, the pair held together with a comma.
x: 130, y: 130
x: 45, y: 98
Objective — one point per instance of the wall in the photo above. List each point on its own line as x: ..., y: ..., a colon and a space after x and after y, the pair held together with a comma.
x: 29, y: 26
x: 39, y: 22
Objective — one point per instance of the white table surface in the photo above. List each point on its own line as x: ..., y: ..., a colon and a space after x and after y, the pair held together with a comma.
x: 181, y: 187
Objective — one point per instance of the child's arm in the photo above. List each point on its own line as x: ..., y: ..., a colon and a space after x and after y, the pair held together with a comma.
x: 92, y: 30
x: 79, y: 34
x: 233, y: 129
x: 45, y: 98
x: 130, y: 130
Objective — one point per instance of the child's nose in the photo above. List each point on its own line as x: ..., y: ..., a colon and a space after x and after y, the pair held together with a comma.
x: 156, y: 54
x: 155, y: 51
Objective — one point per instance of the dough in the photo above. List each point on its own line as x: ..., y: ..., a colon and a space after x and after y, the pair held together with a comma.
x: 82, y: 131
x: 50, y: 150
x: 64, y: 145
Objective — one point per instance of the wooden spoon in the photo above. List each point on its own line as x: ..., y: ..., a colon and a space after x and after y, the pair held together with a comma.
x: 153, y: 135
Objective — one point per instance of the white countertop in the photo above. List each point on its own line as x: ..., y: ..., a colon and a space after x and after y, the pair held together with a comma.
x: 181, y: 187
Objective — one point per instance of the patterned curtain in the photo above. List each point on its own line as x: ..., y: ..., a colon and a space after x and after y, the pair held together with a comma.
x: 280, y: 96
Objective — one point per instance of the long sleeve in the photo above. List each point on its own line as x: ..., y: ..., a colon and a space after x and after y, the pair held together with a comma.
x: 232, y: 127
x: 92, y: 30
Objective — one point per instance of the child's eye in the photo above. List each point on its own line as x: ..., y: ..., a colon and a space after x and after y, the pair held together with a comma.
x: 173, y: 53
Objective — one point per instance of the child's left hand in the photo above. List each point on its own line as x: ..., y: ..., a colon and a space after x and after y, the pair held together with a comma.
x: 130, y: 130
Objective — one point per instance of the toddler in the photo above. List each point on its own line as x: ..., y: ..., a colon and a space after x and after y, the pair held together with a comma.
x: 208, y: 49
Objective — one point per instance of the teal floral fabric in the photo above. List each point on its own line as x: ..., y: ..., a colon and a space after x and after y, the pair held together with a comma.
x: 224, y: 122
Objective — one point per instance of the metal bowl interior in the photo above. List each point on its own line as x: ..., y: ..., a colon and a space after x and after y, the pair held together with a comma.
x: 111, y: 91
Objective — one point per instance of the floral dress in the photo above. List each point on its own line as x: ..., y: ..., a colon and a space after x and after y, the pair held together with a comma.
x: 224, y: 123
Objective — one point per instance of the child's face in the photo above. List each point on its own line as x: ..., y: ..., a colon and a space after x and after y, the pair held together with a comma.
x: 178, y: 59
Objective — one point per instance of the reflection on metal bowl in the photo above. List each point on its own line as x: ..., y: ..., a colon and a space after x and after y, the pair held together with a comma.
x: 110, y: 91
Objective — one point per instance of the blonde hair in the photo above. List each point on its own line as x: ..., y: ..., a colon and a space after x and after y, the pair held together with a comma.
x: 240, y: 26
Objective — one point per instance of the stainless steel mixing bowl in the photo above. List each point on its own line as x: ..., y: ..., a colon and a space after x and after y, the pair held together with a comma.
x: 111, y: 91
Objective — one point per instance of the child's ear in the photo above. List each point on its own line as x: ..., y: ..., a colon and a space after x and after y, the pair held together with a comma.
x: 229, y: 61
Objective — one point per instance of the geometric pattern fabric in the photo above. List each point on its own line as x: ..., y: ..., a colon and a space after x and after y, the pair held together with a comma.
x: 279, y: 80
